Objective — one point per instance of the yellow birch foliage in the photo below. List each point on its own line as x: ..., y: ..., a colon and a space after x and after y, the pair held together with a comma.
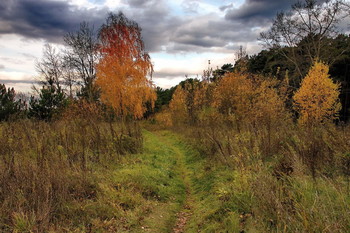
x: 317, y: 99
x: 251, y: 100
x: 123, y: 69
x: 203, y: 96
x: 269, y: 105
x: 233, y: 95
x: 124, y: 88
x: 178, y: 106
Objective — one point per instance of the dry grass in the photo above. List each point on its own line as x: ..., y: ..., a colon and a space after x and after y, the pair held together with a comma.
x: 288, y: 178
x: 46, y: 166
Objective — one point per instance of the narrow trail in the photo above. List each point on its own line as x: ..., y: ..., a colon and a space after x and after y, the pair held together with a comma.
x: 183, y: 216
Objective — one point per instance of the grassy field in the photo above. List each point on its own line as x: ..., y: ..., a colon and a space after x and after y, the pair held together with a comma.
x: 166, y: 185
x: 58, y: 188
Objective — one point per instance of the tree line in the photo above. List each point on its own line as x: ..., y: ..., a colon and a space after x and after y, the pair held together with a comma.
x: 309, y: 32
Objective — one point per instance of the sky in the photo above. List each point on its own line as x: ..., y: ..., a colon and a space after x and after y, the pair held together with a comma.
x: 180, y: 35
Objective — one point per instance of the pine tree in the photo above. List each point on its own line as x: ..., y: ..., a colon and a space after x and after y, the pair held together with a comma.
x: 9, y: 106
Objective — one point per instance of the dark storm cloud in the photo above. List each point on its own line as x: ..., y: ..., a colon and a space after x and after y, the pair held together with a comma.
x: 258, y: 11
x: 162, y: 29
x: 210, y: 31
x: 45, y: 19
x: 156, y: 20
x: 138, y: 3
x: 50, y: 20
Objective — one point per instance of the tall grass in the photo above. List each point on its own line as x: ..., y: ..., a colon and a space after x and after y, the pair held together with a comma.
x: 46, y: 166
x: 286, y: 179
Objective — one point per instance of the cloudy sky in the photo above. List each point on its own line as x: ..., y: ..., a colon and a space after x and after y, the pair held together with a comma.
x: 180, y: 35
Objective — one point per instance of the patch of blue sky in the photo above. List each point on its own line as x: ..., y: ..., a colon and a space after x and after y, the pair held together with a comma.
x: 97, y: 2
x: 176, y: 7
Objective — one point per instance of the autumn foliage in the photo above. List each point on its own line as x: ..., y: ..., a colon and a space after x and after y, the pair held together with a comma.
x: 178, y: 107
x: 233, y: 95
x: 245, y: 98
x: 122, y: 72
x: 317, y: 100
x: 237, y: 97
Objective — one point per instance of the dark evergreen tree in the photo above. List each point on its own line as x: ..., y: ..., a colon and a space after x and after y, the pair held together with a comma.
x: 9, y: 106
x: 51, y: 101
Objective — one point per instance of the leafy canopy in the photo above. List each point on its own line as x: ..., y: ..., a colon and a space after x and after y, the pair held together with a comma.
x: 123, y: 69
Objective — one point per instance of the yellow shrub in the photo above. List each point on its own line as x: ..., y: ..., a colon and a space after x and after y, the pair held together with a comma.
x: 317, y: 100
x: 178, y: 107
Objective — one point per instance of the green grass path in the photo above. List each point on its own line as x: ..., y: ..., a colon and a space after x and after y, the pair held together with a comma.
x: 188, y: 186
x: 151, y: 191
x: 170, y: 151
x: 169, y: 187
x: 201, y: 185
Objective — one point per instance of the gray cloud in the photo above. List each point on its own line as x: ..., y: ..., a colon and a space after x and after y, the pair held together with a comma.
x: 138, y: 3
x: 162, y: 30
x: 28, y: 57
x: 156, y: 21
x: 258, y: 11
x: 223, y: 8
x: 210, y: 32
x: 12, y: 60
x: 169, y: 74
x: 45, y: 19
x: 2, y: 67
x: 190, y: 6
